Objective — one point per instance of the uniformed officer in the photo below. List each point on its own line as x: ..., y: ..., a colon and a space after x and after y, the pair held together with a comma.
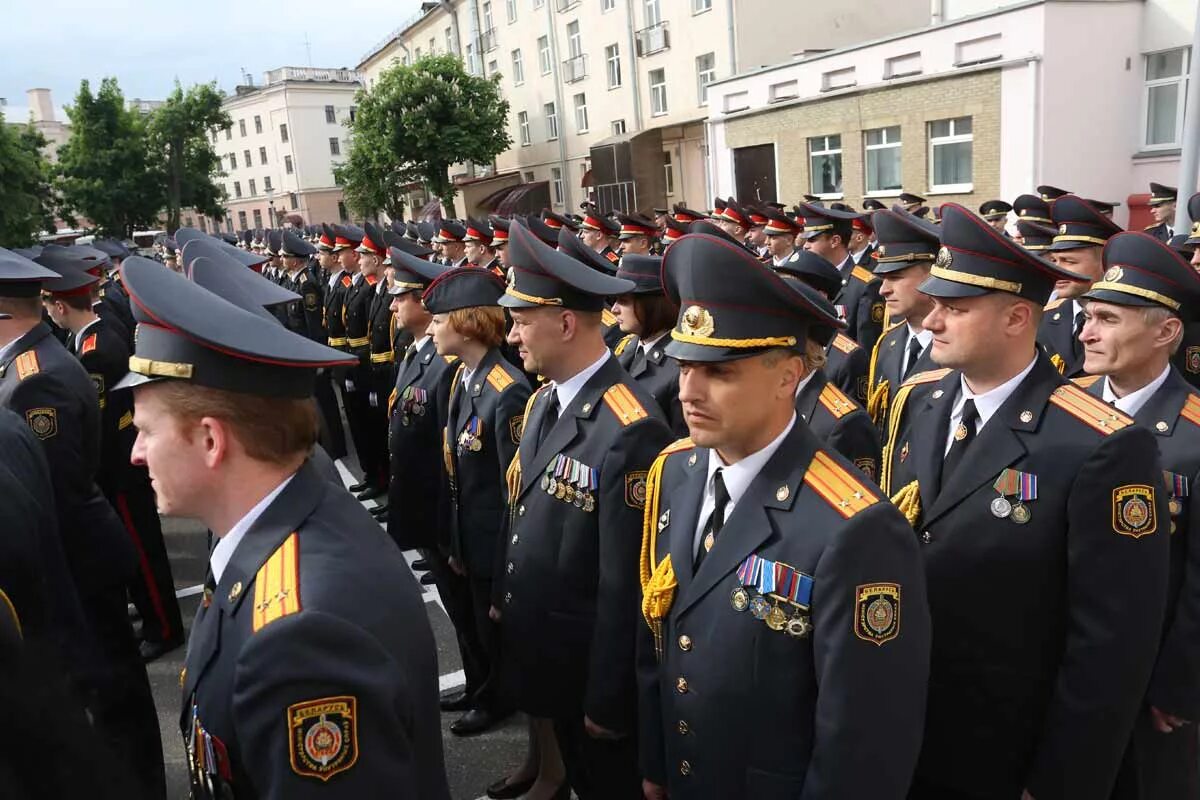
x: 777, y: 582
x: 1077, y: 247
x: 1032, y: 208
x: 483, y: 428
x: 780, y: 233
x: 646, y: 316
x: 911, y: 201
x: 355, y: 314
x: 1135, y: 317
x: 674, y: 231
x: 862, y: 234
x: 1050, y: 194
x: 557, y: 222
x: 378, y: 373
x: 601, y: 262
x: 827, y: 233
x: 1044, y: 528
x: 595, y: 231
x: 577, y: 488
x: 477, y: 243
x: 1162, y: 206
x: 735, y: 221
x: 48, y: 388
x: 311, y: 668
x: 1034, y: 236
x: 638, y: 234
x: 450, y: 237
x: 756, y: 238
x: 996, y: 213
x: 685, y: 215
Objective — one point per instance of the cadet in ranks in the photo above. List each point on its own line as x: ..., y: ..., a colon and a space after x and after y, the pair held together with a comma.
x: 311, y: 668
x: 1050, y: 194
x: 774, y: 577
x: 638, y: 235
x: 50, y: 390
x: 378, y: 373
x: 595, y: 231
x: 1135, y: 317
x: 735, y: 221
x: 685, y: 215
x: 862, y: 236
x: 827, y: 233
x: 450, y: 238
x: 337, y: 284
x: 1034, y: 236
x: 646, y: 315
x: 756, y: 237
x: 478, y: 247
x: 577, y: 248
x: 911, y: 202
x: 996, y: 213
x: 556, y: 222
x: 1162, y: 206
x: 1077, y: 247
x: 483, y: 428
x: 569, y: 599
x: 674, y: 231
x: 355, y: 313
x: 111, y: 302
x: 1032, y: 208
x: 1038, y: 504
x: 780, y: 233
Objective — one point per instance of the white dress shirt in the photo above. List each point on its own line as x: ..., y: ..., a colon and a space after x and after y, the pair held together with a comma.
x: 227, y: 544
x: 648, y: 344
x: 1133, y: 402
x: 737, y: 478
x: 335, y: 277
x: 923, y: 336
x: 986, y: 404
x: 565, y: 392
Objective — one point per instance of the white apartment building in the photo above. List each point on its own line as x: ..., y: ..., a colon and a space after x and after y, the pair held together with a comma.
x: 279, y: 152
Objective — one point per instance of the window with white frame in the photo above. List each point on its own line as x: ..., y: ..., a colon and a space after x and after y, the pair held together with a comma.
x: 518, y: 67
x: 229, y: 133
x: 1166, y: 87
x: 523, y: 125
x: 669, y: 172
x: 510, y: 9
x: 266, y: 183
x: 242, y: 127
x: 257, y: 217
x: 488, y: 23
x: 700, y: 6
x: 581, y: 117
x: 246, y: 157
x: 242, y: 219
x: 706, y: 73
x: 335, y: 147
x: 233, y: 161
x: 556, y: 182
x: 658, y: 92
x: 618, y: 127
x: 283, y: 134
x: 287, y: 165
x: 449, y: 32
x: 653, y: 12
x: 262, y: 155
x: 612, y: 65
x: 253, y: 190
x: 257, y: 124
x: 330, y: 115
x: 574, y: 40
x: 544, y: 54
x: 825, y: 164
x: 607, y: 5
x: 237, y: 188
x: 539, y: 3
x: 951, y: 150
x: 493, y: 67
x: 433, y: 48
x: 551, y: 121
x: 529, y: 177
x: 882, y: 147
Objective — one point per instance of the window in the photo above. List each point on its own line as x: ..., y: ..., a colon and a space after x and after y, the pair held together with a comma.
x: 523, y: 125
x: 539, y: 3
x: 335, y: 147
x: 488, y: 24
x: 581, y: 118
x: 246, y: 157
x: 266, y: 183
x: 493, y: 67
x: 653, y: 12
x: 518, y: 67
x: 242, y: 126
x: 242, y: 220
x: 700, y: 6
x: 214, y: 136
x: 433, y: 49
x: 262, y: 155
x: 257, y: 218
x: 556, y: 182
x: 883, y: 159
x: 668, y: 172
x: 1166, y: 87
x: 607, y: 5
x: 228, y: 133
x: 950, y: 155
x: 612, y: 62
x: 471, y: 66
x: 551, y: 121
x: 287, y: 164
x: 233, y: 161
x: 825, y: 164
x: 330, y: 115
x: 257, y: 124
x: 449, y: 33
x: 510, y: 8
x: 618, y: 127
x: 544, y: 54
x: 253, y: 190
x: 283, y: 133
x: 658, y: 92
x: 706, y: 73
x: 418, y: 52
x: 574, y: 40
x: 237, y: 188
x: 529, y: 177
x: 293, y: 201
x: 354, y: 110
x: 342, y: 215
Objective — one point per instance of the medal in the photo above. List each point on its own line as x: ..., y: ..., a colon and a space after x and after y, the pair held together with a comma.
x: 798, y: 626
x: 568, y: 493
x: 740, y: 599
x: 776, y: 618
x: 1020, y: 514
x: 561, y: 490
x: 1023, y: 486
x: 1001, y: 508
x: 545, y: 482
x: 1176, y: 506
x: 759, y: 607
x: 579, y: 498
x: 476, y: 445
x: 589, y: 504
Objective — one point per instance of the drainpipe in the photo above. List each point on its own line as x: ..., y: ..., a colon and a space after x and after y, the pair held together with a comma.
x: 733, y: 57
x: 568, y: 198
x: 937, y: 12
x: 633, y: 69
x: 1190, y: 159
x: 475, y: 37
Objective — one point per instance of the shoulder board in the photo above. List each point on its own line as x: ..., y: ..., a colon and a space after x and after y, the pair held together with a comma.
x: 836, y: 402
x: 277, y: 585
x: 620, y: 401
x: 844, y: 343
x: 1055, y: 303
x: 928, y: 376
x: 1151, y: 227
x: 863, y: 274
x: 678, y: 446
x: 499, y: 378
x: 1191, y: 409
x: 89, y: 344
x: 450, y: 359
x: 608, y: 318
x: 624, y: 343
x: 27, y: 364
x: 347, y: 280
x: 612, y: 256
x: 1092, y: 411
x: 837, y: 486
x: 891, y: 326
x: 1086, y: 381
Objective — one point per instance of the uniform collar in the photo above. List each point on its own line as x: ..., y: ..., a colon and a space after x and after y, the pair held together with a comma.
x: 83, y: 331
x: 1132, y: 403
x: 647, y: 344
x: 565, y: 392
x: 989, y: 402
x: 923, y: 336
x: 740, y: 475
x: 227, y: 544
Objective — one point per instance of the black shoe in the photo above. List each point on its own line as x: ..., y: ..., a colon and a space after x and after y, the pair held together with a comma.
x: 421, y: 565
x: 455, y: 701
x: 428, y: 580
x: 358, y: 487
x: 503, y: 790
x: 474, y: 722
x: 152, y: 651
x: 381, y: 518
x: 380, y: 511
x: 371, y: 493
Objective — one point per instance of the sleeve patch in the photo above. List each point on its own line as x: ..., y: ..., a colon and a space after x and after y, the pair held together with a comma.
x: 323, y: 736
x: 867, y: 465
x: 635, y: 489
x: 310, y: 301
x: 877, y: 312
x: 43, y: 422
x: 877, y: 612
x: 516, y: 426
x: 1133, y: 510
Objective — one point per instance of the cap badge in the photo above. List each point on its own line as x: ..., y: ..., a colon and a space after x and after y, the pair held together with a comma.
x: 882, y: 250
x: 1062, y: 228
x: 944, y: 259
x: 1196, y: 229
x: 1114, y: 275
x: 697, y: 322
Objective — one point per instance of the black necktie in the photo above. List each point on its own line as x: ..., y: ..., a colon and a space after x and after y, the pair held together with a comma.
x: 964, y: 434
x: 716, y: 520
x: 914, y: 352
x: 409, y: 353
x: 638, y: 366
x: 1076, y: 345
x: 549, y: 419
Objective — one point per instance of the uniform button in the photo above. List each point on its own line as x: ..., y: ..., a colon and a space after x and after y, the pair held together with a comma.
x: 685, y: 768
x: 507, y: 598
x: 685, y: 643
x: 926, y: 538
x: 683, y: 728
x: 515, y: 538
x: 510, y: 568
x: 520, y: 511
x: 681, y: 685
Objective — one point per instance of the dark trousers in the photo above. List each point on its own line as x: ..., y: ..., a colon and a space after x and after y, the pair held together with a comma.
x: 356, y: 417
x: 455, y: 591
x: 153, y: 587
x: 333, y: 435
x: 598, y: 769
x: 373, y: 458
x: 485, y: 638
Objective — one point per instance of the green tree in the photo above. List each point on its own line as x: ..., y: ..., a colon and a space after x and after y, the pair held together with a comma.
x: 107, y: 172
x: 371, y: 181
x: 179, y: 132
x: 418, y: 120
x: 26, y: 197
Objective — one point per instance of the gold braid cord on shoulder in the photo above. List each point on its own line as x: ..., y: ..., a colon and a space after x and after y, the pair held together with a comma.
x: 1059, y: 363
x: 893, y: 432
x: 658, y: 580
x: 512, y: 476
x: 446, y: 457
x: 877, y: 394
x: 908, y: 500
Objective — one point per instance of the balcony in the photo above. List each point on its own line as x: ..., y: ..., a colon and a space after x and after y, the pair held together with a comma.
x: 487, y: 41
x: 313, y: 74
x: 575, y: 69
x: 653, y: 39
x: 565, y: 5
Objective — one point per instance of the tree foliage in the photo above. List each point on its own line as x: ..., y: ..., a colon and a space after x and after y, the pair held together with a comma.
x: 371, y: 181
x: 26, y: 197
x: 179, y: 133
x: 417, y: 121
x: 106, y: 170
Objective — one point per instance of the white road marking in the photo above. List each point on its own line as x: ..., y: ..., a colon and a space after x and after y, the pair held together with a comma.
x: 452, y: 681
x: 189, y: 591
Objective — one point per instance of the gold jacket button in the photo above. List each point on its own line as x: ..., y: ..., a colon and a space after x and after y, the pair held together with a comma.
x: 515, y: 538
x: 926, y: 538
x: 681, y: 685
x: 685, y: 768
x: 683, y: 728
x: 510, y: 568
x: 520, y: 511
x: 685, y: 643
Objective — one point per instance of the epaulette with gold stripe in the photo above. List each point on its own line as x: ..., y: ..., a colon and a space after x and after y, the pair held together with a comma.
x: 1055, y: 303
x: 624, y: 343
x: 125, y: 421
x: 1151, y: 227
x: 929, y: 376
x: 1086, y: 381
x: 835, y: 401
x: 1191, y: 410
x: 450, y: 359
x: 678, y: 446
x: 608, y: 318
x: 837, y: 486
x: 499, y: 378
x: 844, y: 343
x: 1092, y: 411
x: 277, y: 585
x: 863, y: 274
x: 622, y: 403
x: 89, y: 344
x: 27, y: 364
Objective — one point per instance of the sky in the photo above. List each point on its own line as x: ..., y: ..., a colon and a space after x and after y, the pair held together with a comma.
x: 146, y: 45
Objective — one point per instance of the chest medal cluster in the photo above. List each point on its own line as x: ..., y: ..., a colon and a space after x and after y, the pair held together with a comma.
x: 571, y: 481
x: 470, y: 439
x: 1021, y: 487
x: 776, y: 594
x: 413, y: 401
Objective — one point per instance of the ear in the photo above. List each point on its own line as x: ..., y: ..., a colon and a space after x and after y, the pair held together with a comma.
x: 1170, y: 330
x: 216, y: 440
x: 790, y: 373
x: 1020, y: 316
x: 568, y: 325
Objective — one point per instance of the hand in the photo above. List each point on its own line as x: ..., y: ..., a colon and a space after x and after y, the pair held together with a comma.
x: 597, y: 732
x: 494, y: 614
x: 457, y: 566
x: 652, y: 791
x: 1164, y: 722
x: 373, y: 399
